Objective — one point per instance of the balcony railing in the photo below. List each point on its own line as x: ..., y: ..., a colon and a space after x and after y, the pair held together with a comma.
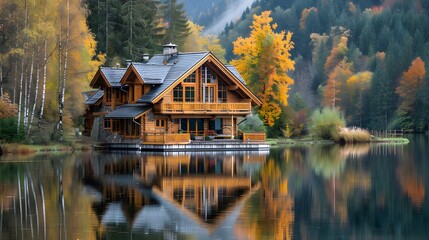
x: 167, y: 138
x: 255, y: 136
x: 215, y: 108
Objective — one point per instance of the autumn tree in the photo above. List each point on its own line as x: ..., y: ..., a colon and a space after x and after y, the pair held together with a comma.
x: 409, y: 85
x: 196, y: 41
x: 357, y: 85
x: 264, y: 61
x: 334, y: 90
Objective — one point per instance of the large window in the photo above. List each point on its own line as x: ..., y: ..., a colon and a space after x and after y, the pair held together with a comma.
x: 191, y: 78
x: 189, y: 94
x: 207, y: 76
x: 221, y: 95
x: 178, y: 94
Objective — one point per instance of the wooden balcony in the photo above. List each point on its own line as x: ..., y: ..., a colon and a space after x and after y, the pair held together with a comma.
x: 254, y: 137
x: 203, y: 108
x: 167, y: 138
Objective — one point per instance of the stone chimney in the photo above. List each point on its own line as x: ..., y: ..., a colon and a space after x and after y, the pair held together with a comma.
x: 170, y: 50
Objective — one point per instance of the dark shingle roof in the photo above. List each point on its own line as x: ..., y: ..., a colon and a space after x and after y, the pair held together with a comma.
x: 88, y: 94
x: 113, y: 75
x: 152, y: 73
x: 129, y: 111
x: 178, y: 66
x: 95, y: 97
x: 236, y: 73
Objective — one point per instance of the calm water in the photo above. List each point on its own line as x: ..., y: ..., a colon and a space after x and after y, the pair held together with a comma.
x: 314, y: 192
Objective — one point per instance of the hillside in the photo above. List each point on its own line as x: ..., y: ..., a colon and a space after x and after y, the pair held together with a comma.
x: 376, y: 40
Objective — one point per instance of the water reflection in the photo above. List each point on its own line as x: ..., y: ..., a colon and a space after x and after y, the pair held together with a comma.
x: 174, y: 193
x: 307, y: 192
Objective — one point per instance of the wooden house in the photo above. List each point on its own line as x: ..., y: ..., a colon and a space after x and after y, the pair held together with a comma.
x: 169, y: 98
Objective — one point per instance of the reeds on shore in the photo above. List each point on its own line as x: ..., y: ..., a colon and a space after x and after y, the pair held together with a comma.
x: 354, y: 135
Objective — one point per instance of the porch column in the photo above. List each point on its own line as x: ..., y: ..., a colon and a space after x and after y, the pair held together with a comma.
x: 232, y: 126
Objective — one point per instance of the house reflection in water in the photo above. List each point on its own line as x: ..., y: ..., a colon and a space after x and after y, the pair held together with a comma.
x: 175, y: 193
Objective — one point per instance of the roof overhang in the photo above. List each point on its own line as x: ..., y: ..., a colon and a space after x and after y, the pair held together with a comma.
x: 99, y: 79
x: 129, y: 111
x: 131, y: 69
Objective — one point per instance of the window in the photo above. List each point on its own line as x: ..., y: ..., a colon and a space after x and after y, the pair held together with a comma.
x: 221, y: 95
x: 160, y: 123
x: 178, y: 94
x: 107, y: 123
x: 189, y: 94
x: 115, y: 125
x: 191, y: 78
x: 108, y: 94
x: 207, y: 76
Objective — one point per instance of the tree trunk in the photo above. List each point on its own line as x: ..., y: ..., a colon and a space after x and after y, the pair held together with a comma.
x: 42, y: 106
x: 63, y: 88
x: 36, y: 93
x: 107, y: 25
x: 20, y: 95
x: 27, y: 99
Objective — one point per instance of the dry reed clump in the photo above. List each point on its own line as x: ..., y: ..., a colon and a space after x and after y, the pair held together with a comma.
x: 354, y: 135
x: 17, y: 149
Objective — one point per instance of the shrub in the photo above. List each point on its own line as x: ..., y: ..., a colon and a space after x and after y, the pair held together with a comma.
x: 8, y: 130
x: 326, y: 123
x: 252, y: 124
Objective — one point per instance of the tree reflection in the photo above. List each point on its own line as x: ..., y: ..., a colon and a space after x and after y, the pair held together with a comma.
x: 411, y: 183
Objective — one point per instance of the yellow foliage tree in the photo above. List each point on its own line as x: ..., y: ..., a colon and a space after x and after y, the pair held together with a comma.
x: 410, y: 83
x: 196, y: 41
x: 264, y: 60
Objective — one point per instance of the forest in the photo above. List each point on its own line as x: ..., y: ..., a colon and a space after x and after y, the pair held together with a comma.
x: 366, y: 58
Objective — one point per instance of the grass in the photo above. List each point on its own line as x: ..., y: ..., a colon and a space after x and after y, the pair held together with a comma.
x: 354, y: 135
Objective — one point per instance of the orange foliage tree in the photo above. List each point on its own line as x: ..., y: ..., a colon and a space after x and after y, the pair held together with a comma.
x: 7, y: 109
x: 264, y: 60
x: 410, y: 83
x: 336, y: 82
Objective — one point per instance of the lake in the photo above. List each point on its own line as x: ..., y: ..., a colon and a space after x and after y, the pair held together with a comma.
x: 304, y: 192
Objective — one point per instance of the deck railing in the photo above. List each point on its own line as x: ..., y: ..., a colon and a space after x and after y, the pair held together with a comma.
x: 167, y: 138
x: 254, y: 136
x: 205, y: 107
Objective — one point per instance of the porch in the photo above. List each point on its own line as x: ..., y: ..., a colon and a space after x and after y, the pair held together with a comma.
x: 199, y: 108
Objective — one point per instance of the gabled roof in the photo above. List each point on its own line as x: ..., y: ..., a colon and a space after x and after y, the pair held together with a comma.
x: 179, y: 65
x: 111, y: 77
x: 94, y: 98
x: 129, y: 111
x: 236, y: 73
x: 152, y: 73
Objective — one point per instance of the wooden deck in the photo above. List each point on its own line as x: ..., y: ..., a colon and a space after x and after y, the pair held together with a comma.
x: 179, y: 138
x: 199, y: 108
x: 256, y: 137
x: 194, y: 146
